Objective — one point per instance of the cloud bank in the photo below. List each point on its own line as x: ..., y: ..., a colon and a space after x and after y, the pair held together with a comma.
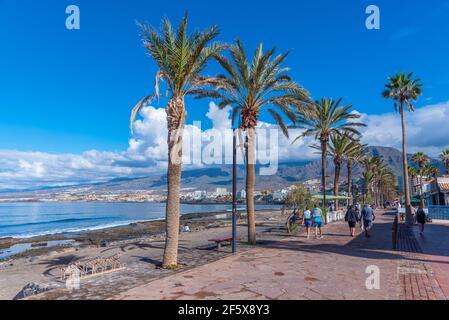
x: 427, y: 131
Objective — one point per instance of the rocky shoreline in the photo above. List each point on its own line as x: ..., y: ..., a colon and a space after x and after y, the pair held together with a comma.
x: 39, y: 245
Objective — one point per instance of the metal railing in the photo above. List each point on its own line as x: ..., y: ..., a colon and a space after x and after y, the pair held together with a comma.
x: 439, y: 212
x: 395, y: 231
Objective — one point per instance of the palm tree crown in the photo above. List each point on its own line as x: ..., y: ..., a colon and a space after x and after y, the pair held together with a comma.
x: 250, y: 86
x: 430, y: 171
x: 421, y: 159
x: 403, y: 89
x: 343, y: 147
x: 181, y: 57
x: 444, y: 156
x: 326, y: 118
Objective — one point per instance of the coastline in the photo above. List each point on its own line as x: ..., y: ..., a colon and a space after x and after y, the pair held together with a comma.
x: 154, y: 228
x: 140, y: 247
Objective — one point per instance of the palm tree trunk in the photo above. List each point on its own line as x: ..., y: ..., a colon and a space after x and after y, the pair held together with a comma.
x: 336, y: 183
x: 250, y: 183
x: 350, y: 201
x: 421, y: 187
x: 175, y: 126
x: 408, y: 208
x: 323, y: 171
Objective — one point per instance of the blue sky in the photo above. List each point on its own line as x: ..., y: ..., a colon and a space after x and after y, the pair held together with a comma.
x: 69, y: 91
x: 65, y: 92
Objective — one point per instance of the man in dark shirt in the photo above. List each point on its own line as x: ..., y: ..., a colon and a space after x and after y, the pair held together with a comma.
x: 368, y: 218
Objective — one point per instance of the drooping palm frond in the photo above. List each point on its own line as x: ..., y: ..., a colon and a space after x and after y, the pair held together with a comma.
x: 136, y: 110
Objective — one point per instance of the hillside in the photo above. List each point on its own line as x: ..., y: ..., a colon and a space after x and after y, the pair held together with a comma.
x: 213, y: 177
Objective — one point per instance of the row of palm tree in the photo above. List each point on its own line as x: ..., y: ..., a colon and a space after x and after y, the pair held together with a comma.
x: 349, y: 149
x: 379, y: 181
x: 250, y: 85
x: 327, y: 120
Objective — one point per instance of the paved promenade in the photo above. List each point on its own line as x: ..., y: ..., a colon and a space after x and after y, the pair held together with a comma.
x: 291, y: 268
x: 434, y: 252
x: 282, y: 266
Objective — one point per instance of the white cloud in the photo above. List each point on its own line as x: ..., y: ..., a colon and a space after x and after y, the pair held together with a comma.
x: 427, y: 131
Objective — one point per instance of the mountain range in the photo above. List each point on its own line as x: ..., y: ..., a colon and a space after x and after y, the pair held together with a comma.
x: 221, y: 176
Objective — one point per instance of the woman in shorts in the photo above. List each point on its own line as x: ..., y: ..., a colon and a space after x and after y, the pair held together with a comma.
x: 307, y: 221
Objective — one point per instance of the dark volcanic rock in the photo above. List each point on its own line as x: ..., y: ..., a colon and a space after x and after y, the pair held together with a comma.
x: 32, y: 289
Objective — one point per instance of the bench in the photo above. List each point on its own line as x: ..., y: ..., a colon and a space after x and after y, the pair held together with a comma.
x: 219, y: 242
x: 92, y: 267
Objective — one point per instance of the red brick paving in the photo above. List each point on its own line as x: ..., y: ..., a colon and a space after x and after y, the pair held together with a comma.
x: 416, y: 274
x: 291, y: 268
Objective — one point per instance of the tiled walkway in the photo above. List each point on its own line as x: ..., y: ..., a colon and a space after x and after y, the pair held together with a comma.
x: 287, y: 267
x: 291, y: 268
x: 434, y: 252
x: 417, y: 281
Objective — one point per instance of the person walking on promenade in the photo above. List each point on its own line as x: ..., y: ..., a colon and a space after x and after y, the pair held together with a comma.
x: 307, y: 221
x: 421, y: 219
x: 352, y: 217
x: 317, y: 218
x: 368, y: 217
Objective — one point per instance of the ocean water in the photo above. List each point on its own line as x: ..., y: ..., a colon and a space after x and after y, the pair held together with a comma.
x: 26, y: 219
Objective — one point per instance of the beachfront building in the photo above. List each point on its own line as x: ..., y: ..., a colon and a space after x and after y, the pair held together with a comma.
x: 436, y: 192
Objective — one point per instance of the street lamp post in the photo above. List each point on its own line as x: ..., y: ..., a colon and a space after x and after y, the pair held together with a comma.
x: 234, y: 192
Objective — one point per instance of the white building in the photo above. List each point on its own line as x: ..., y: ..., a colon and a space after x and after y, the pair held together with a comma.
x: 280, y: 195
x: 199, y: 195
x: 241, y: 194
x: 221, y: 192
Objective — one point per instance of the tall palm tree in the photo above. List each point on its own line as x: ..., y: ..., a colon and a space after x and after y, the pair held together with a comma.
x: 181, y: 57
x: 380, y: 181
x: 421, y: 159
x: 251, y: 86
x: 430, y: 171
x: 354, y: 155
x: 322, y: 120
x: 386, y: 185
x: 340, y: 148
x: 404, y: 90
x: 372, y: 167
x: 412, y: 173
x: 444, y: 156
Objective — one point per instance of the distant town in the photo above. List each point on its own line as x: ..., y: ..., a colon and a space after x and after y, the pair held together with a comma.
x: 187, y: 195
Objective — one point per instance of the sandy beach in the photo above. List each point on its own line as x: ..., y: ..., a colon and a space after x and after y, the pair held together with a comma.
x: 140, y: 246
